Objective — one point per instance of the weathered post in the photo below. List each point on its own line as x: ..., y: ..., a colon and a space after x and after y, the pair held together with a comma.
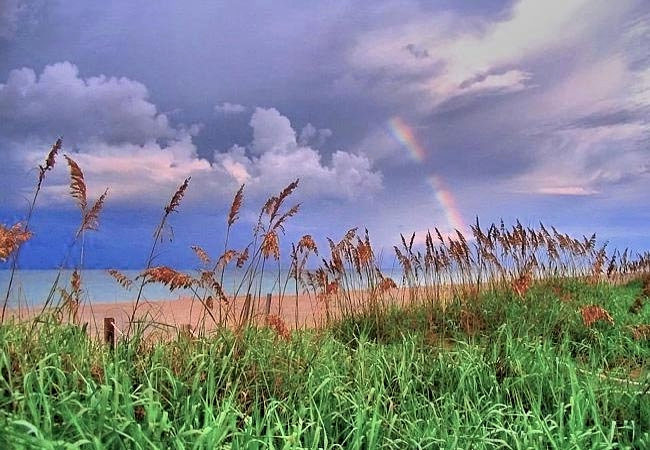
x: 267, y: 309
x: 186, y: 330
x: 247, y: 308
x: 109, y: 332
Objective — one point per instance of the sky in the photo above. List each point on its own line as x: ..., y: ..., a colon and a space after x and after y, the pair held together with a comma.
x: 396, y: 116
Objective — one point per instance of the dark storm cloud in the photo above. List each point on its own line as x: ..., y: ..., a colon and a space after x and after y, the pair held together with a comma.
x: 612, y: 117
x: 9, y: 12
x: 418, y: 53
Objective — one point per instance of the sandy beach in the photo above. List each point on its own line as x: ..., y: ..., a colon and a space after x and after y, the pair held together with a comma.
x: 168, y: 317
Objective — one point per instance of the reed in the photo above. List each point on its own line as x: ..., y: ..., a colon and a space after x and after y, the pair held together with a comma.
x: 48, y: 165
x: 172, y: 206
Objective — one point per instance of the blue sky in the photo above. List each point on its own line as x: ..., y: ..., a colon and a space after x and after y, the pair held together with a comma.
x: 521, y: 109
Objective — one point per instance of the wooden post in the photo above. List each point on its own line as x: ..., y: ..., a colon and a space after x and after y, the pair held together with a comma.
x: 109, y: 332
x: 186, y: 330
x: 267, y: 310
x: 247, y: 308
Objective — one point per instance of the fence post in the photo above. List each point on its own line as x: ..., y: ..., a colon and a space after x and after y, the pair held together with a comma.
x: 186, y: 330
x: 247, y: 307
x: 267, y: 310
x: 109, y: 332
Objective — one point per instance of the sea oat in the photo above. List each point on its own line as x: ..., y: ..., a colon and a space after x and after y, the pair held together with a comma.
x: 177, y: 197
x: 278, y: 326
x: 387, y: 284
x: 275, y: 205
x: 75, y: 282
x: 201, y: 254
x: 77, y: 183
x: 91, y: 217
x: 241, y: 260
x: 522, y: 284
x: 208, y: 281
x: 292, y: 212
x: 225, y: 259
x: 11, y: 239
x: 167, y: 276
x: 270, y: 245
x: 233, y: 215
x: 307, y: 243
x: 332, y: 287
x: 121, y: 279
x: 593, y: 313
x: 49, y: 161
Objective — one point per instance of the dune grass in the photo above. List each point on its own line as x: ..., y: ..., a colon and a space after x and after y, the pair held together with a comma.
x: 533, y: 376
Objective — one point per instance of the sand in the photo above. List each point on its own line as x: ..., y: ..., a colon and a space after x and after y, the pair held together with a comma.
x: 168, y: 317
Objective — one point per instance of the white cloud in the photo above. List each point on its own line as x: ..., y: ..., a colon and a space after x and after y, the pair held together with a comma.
x: 277, y: 159
x: 230, y: 108
x: 585, y: 161
x: 136, y: 174
x: 60, y: 102
x: 463, y: 49
x: 272, y: 132
x: 510, y: 81
x: 121, y: 141
x: 583, y: 128
x: 310, y: 134
x: 150, y: 172
x: 566, y: 190
x: 586, y: 90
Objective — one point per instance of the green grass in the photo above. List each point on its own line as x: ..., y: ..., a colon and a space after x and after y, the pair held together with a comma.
x: 528, y: 375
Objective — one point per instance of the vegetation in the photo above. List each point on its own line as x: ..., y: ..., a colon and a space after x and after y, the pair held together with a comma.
x: 508, y: 338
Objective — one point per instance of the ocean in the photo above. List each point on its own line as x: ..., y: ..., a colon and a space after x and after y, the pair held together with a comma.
x: 32, y: 287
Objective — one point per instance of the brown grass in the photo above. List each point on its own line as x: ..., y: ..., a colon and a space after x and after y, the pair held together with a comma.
x: 177, y: 197
x: 121, y: 279
x: 77, y: 184
x: 350, y: 280
x: 237, y: 201
x: 592, y: 314
x: 167, y: 276
x: 50, y: 160
x: 11, y: 239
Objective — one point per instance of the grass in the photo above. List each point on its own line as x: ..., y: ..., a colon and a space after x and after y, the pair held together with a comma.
x: 500, y: 337
x: 532, y: 377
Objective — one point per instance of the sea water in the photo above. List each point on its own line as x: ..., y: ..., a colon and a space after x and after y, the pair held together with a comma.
x: 32, y: 287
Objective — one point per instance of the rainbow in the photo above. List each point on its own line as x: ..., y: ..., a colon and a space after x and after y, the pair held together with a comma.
x: 448, y: 203
x: 405, y: 135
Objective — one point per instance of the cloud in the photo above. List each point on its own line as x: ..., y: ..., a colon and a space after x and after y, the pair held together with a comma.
x: 272, y: 132
x: 578, y: 124
x: 586, y: 161
x: 566, y: 190
x: 147, y: 173
x: 121, y: 141
x: 60, y: 102
x: 9, y: 11
x: 276, y: 158
x: 418, y: 53
x: 310, y: 134
x: 450, y: 55
x: 510, y: 81
x: 141, y: 176
x: 230, y: 108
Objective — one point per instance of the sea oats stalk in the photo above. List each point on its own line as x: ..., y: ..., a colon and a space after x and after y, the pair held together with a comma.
x: 48, y: 165
x: 171, y: 207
